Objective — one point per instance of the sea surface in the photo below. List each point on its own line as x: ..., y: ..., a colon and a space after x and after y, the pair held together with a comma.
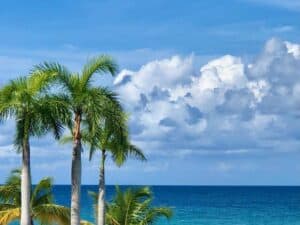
x: 212, y: 205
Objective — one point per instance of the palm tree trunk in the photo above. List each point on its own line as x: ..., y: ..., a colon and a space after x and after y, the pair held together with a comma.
x: 25, y: 184
x: 76, y: 174
x: 101, y: 195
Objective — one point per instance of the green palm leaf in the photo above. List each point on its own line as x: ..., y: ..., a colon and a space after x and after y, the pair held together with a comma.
x: 43, y: 207
x: 88, y: 104
x: 51, y: 214
x: 99, y: 64
x: 42, y: 193
x: 134, y: 207
x: 9, y: 215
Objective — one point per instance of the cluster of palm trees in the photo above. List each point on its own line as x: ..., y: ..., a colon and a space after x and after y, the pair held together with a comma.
x: 130, y: 207
x: 50, y: 99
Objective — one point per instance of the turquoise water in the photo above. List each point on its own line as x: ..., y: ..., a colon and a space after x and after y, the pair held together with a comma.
x: 213, y: 205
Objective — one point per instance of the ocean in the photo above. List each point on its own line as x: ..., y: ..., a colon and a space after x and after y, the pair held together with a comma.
x: 212, y: 205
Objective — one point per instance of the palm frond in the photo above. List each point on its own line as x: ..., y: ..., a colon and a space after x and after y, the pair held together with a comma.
x: 99, y: 64
x: 52, y: 214
x: 121, y: 152
x: 109, y: 131
x: 53, y: 69
x: 7, y: 206
x: 35, y: 112
x: 66, y: 139
x: 155, y: 213
x: 136, y: 152
x: 50, y: 113
x: 134, y: 207
x: 39, y: 81
x: 42, y: 193
x: 10, y: 192
x: 42, y: 204
x: 14, y: 177
x: 9, y: 215
x: 85, y: 222
x: 10, y: 96
x: 100, y: 103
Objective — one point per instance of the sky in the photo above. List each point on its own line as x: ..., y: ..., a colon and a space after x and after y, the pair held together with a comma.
x: 212, y: 87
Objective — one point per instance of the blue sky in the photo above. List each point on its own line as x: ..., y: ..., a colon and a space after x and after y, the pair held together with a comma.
x: 203, y: 27
x: 212, y: 87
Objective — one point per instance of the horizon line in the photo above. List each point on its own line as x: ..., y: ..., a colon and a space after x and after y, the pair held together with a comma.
x: 193, y: 185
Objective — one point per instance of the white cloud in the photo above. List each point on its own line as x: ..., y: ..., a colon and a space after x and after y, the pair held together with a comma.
x: 284, y: 29
x: 288, y: 4
x: 259, y: 89
x: 294, y: 49
x: 228, y: 105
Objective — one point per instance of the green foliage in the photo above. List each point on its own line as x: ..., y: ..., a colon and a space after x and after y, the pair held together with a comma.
x: 43, y: 208
x: 111, y: 135
x: 11, y: 191
x: 134, y: 207
x: 103, y: 121
x: 91, y: 103
x: 100, y: 64
x: 37, y: 105
x: 27, y: 100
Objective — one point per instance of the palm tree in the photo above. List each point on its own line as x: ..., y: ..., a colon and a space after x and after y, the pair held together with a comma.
x: 87, y: 103
x: 26, y: 99
x: 110, y: 137
x: 42, y: 206
x: 134, y: 207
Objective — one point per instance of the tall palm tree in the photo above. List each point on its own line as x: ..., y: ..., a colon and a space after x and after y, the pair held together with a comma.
x: 110, y: 137
x: 134, y: 207
x: 26, y: 99
x: 42, y: 206
x: 87, y: 103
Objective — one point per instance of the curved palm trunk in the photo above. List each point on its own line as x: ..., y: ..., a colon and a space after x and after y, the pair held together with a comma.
x: 101, y: 195
x: 76, y: 174
x: 25, y: 184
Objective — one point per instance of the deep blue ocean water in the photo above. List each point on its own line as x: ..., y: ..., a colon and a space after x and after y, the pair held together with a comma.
x: 212, y: 205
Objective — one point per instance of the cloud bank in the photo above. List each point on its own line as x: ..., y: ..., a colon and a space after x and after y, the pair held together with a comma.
x: 227, y: 106
x: 230, y: 120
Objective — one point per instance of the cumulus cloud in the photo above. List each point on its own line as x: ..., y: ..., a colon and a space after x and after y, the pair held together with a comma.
x: 226, y: 105
x: 227, y: 116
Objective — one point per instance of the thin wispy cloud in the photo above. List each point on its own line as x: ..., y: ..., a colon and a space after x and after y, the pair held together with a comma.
x: 293, y: 5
